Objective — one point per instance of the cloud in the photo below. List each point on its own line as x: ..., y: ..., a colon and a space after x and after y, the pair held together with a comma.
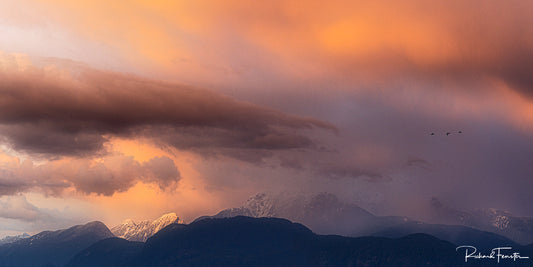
x: 104, y: 176
x: 53, y: 112
x: 162, y: 171
x: 214, y: 41
x: 18, y: 208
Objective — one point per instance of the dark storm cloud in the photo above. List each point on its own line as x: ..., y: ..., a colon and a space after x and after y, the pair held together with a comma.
x: 44, y: 138
x: 56, y: 115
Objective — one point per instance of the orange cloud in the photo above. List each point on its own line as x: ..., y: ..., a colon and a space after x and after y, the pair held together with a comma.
x: 221, y: 42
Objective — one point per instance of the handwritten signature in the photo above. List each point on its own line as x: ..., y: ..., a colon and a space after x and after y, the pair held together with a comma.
x: 496, y: 253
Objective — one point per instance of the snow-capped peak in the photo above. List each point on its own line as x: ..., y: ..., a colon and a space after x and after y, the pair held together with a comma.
x: 143, y: 230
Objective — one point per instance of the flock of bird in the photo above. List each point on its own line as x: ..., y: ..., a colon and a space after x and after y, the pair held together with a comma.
x: 448, y: 133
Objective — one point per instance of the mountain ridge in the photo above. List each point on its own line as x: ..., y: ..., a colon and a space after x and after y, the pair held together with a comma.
x: 52, y: 248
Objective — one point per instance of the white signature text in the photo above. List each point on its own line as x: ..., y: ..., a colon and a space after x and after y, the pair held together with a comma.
x: 501, y: 253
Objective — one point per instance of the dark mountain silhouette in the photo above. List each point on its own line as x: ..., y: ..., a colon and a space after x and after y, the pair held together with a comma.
x: 108, y: 252
x: 246, y: 241
x: 52, y: 248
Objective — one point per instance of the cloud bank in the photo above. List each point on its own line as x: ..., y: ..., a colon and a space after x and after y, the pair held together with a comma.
x: 53, y: 112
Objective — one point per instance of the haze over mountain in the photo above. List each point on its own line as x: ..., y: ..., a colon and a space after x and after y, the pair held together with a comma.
x: 497, y: 221
x: 456, y: 234
x: 142, y: 230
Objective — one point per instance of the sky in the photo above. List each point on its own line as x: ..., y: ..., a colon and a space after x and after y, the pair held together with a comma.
x: 132, y: 109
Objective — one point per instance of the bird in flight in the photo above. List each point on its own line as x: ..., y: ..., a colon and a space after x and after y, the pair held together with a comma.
x: 447, y: 133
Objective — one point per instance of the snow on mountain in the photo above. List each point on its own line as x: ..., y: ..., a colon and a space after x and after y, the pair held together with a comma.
x: 11, y: 239
x: 260, y: 205
x: 143, y: 230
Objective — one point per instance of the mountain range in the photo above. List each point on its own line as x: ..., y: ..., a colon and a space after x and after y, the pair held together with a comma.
x: 248, y: 241
x: 261, y: 238
x: 234, y: 241
x: 324, y: 213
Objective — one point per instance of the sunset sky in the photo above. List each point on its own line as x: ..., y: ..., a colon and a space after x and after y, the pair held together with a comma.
x: 112, y: 110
